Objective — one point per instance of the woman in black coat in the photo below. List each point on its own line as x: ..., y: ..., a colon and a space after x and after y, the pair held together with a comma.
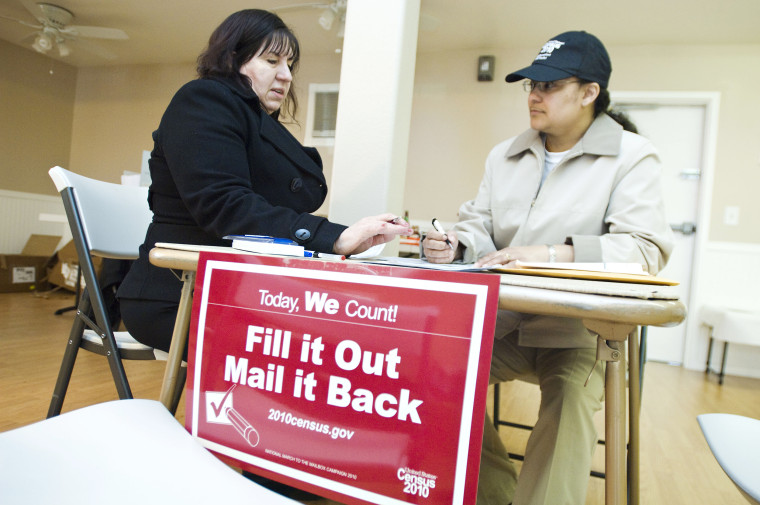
x: 223, y: 164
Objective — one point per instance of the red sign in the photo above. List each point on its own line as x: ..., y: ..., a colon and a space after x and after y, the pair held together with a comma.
x: 360, y: 383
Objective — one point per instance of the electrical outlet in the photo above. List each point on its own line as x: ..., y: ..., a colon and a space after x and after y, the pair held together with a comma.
x: 731, y: 215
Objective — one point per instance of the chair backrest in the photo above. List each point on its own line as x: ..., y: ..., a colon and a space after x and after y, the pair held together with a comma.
x: 114, y: 217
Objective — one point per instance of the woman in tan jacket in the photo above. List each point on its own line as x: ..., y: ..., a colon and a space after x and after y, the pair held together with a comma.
x: 574, y: 187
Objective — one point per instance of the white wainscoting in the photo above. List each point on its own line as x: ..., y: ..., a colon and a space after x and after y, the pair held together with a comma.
x: 730, y: 275
x: 20, y: 214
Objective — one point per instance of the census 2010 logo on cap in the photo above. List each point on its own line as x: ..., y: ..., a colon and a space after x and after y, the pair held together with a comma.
x: 548, y: 49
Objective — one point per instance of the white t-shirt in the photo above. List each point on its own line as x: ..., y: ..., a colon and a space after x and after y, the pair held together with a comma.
x: 550, y: 161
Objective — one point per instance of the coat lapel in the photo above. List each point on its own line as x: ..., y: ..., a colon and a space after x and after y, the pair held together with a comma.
x: 288, y: 146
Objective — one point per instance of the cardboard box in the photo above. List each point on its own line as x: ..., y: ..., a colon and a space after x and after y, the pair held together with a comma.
x: 63, y: 268
x: 27, y: 271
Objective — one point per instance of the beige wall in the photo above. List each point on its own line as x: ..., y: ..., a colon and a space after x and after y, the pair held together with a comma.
x: 116, y: 111
x: 36, y: 111
x: 455, y: 118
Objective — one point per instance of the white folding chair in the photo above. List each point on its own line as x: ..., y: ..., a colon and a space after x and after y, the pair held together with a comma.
x: 110, y: 221
x: 75, y: 459
x: 735, y: 443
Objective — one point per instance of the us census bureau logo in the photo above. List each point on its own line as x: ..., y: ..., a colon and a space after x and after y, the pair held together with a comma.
x: 548, y: 49
x: 416, y: 482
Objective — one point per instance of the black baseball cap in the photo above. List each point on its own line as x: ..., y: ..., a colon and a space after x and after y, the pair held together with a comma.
x: 570, y: 54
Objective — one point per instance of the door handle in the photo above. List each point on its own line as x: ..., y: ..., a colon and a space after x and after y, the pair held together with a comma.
x: 690, y: 173
x: 687, y: 227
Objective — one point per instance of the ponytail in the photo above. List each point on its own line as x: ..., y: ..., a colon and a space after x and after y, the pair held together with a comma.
x: 602, y: 105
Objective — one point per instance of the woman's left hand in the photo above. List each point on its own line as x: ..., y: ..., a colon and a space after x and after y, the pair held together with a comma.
x: 511, y: 254
x: 370, y: 231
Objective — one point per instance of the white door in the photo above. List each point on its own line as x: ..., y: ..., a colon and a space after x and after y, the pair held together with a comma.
x: 677, y: 132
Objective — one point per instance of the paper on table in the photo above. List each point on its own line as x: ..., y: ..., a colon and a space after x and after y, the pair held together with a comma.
x: 372, y: 252
x: 420, y: 263
x: 618, y: 268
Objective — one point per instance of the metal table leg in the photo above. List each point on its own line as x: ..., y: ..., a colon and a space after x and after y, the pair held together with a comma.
x: 179, y: 341
x: 610, y: 349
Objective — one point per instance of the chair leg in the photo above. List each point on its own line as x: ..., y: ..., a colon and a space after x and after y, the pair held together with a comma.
x: 69, y: 357
x: 709, y: 353
x: 723, y: 364
x: 102, y: 327
x: 642, y: 359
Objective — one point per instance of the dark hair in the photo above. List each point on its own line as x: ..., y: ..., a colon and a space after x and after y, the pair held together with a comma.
x: 242, y: 36
x: 602, y: 104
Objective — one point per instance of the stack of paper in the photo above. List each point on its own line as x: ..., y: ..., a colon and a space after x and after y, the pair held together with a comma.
x: 266, y: 245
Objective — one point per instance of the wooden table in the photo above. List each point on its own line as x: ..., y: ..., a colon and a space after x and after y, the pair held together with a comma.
x: 612, y: 310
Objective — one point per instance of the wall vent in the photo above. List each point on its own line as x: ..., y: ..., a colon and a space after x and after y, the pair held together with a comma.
x: 321, y: 115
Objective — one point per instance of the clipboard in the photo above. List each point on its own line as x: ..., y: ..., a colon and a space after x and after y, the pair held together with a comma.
x: 589, y: 275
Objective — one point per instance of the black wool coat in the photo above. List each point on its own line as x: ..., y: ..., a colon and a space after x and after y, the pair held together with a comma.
x: 221, y: 165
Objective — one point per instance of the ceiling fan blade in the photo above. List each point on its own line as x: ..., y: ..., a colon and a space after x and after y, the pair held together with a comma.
x: 93, y: 48
x: 28, y: 39
x: 95, y: 32
x: 25, y: 23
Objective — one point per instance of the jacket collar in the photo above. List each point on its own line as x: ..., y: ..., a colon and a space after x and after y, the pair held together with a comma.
x: 602, y: 138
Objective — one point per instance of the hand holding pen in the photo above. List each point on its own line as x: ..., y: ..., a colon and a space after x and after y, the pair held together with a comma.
x: 370, y: 231
x: 439, y: 229
x: 439, y: 245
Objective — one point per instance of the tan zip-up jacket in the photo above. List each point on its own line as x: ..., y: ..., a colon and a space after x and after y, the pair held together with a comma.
x: 604, y: 197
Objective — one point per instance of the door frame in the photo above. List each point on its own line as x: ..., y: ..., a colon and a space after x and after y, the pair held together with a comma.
x: 711, y: 102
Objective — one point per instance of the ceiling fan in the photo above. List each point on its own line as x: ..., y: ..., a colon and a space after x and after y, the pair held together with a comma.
x: 54, y: 30
x: 336, y: 11
x: 331, y: 12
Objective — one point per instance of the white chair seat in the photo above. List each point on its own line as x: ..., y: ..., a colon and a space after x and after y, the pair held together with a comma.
x: 735, y: 443
x: 126, y: 342
x: 123, y: 340
x: 122, y: 452
x: 735, y: 325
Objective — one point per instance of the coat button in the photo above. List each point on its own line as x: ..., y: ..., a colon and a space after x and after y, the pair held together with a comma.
x: 303, y: 234
x: 296, y: 185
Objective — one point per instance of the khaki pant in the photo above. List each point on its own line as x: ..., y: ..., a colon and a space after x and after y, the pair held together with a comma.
x: 558, y: 456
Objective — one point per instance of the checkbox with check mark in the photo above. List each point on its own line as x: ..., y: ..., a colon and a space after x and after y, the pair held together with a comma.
x: 217, y: 404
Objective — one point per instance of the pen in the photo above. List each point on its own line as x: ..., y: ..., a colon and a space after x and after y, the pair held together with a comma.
x: 440, y: 229
x: 326, y: 256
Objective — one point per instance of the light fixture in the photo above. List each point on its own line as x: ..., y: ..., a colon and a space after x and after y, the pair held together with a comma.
x: 327, y: 18
x: 63, y: 49
x: 341, y: 31
x: 43, y: 43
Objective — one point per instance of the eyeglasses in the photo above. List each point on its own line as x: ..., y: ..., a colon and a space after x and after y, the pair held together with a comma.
x: 544, y: 86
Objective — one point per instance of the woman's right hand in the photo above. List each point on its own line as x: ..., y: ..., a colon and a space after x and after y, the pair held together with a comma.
x: 370, y: 231
x: 435, y: 248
